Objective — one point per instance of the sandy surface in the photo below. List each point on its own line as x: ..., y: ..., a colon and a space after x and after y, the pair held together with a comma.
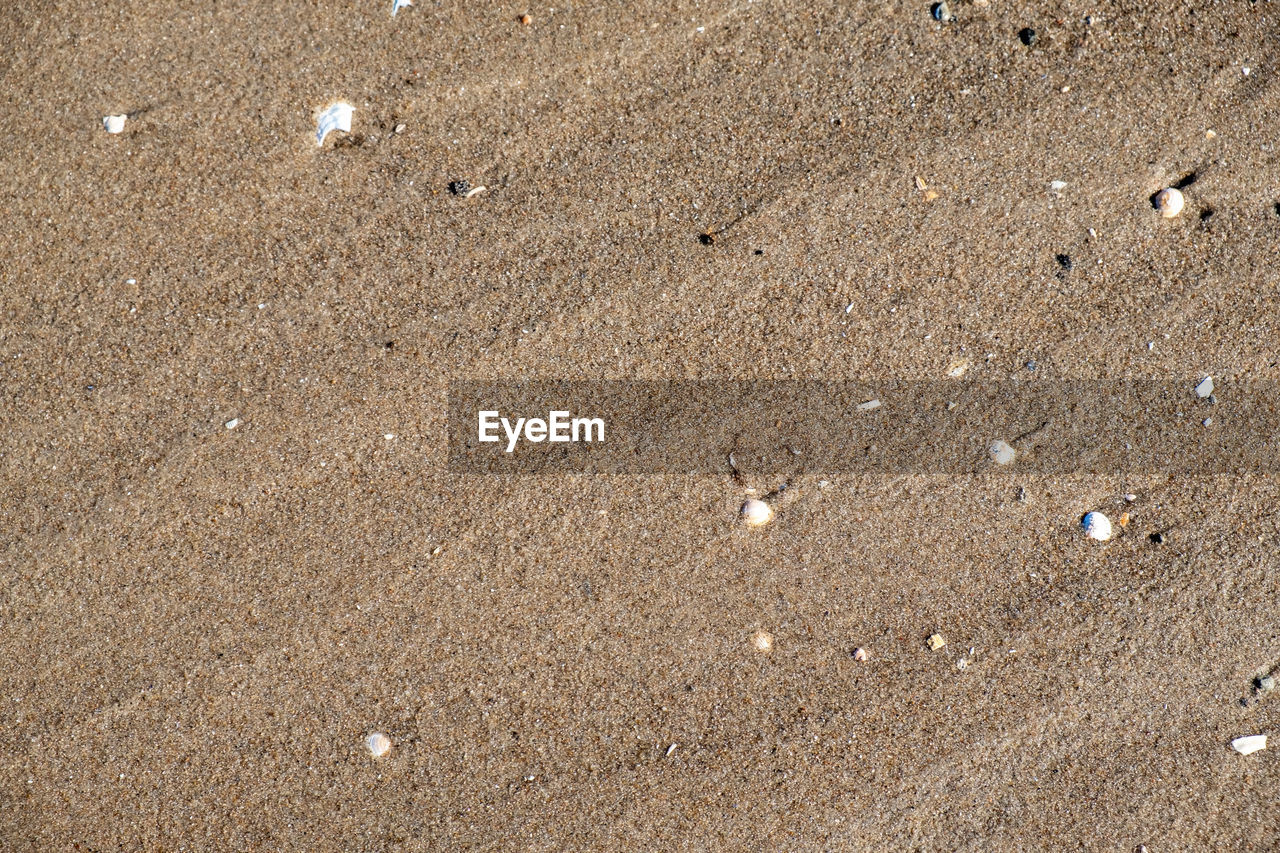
x: 200, y: 626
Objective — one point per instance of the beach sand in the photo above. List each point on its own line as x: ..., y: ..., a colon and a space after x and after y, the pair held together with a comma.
x: 201, y: 625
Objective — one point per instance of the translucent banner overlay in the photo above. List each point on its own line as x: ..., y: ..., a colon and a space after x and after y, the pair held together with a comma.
x: 892, y: 427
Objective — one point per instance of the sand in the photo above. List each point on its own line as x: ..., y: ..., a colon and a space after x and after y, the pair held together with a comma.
x: 201, y: 626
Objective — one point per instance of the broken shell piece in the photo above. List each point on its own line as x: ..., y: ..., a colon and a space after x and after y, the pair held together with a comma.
x: 756, y: 512
x: 936, y: 641
x: 1250, y: 744
x: 114, y: 124
x: 377, y: 744
x: 763, y: 641
x: 1096, y: 526
x: 868, y: 406
x: 232, y: 424
x: 1205, y: 388
x: 398, y: 5
x: 860, y: 654
x: 336, y: 117
x: 1170, y: 202
x: 1001, y: 452
x: 474, y: 191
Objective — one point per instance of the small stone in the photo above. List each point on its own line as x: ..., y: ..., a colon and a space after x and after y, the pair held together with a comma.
x: 1130, y: 498
x: 526, y: 19
x: 400, y: 128
x: 1156, y: 538
x: 1205, y: 388
x: 378, y: 744
x: 1170, y: 202
x: 1001, y: 452
x: 1096, y: 526
x: 1266, y: 684
x: 860, y: 654
x: 756, y: 513
x: 1027, y: 36
x: 936, y: 642
x: 942, y: 12
x: 763, y: 641
x: 459, y: 187
x: 114, y: 124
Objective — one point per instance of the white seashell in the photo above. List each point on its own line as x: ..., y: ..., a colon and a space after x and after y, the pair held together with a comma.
x: 114, y: 124
x: 756, y: 512
x: 377, y: 744
x: 1096, y: 526
x: 398, y: 5
x: 232, y: 424
x: 1170, y: 202
x: 1250, y: 744
x: 1001, y: 452
x: 763, y: 641
x: 1205, y: 388
x: 870, y: 405
x: 336, y: 117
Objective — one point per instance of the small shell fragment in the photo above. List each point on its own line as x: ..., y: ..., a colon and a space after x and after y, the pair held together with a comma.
x: 1096, y: 526
x: 868, y: 406
x: 1001, y: 453
x: 232, y: 424
x: 763, y: 641
x: 474, y: 191
x: 1205, y: 388
x: 114, y: 124
x: 936, y: 642
x: 336, y: 117
x: 397, y: 5
x: 377, y: 744
x: 1250, y: 744
x: 756, y: 512
x: 1170, y: 202
x: 860, y: 654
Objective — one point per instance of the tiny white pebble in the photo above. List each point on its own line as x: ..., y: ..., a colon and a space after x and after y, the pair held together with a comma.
x: 377, y: 744
x: 860, y: 654
x: 1246, y: 70
x: 114, y: 124
x: 232, y: 424
x: 1170, y: 202
x: 1250, y: 744
x: 1205, y: 387
x: 399, y: 128
x: 763, y: 641
x: 1130, y: 497
x: 131, y: 281
x: 261, y: 305
x: 756, y: 512
x: 1001, y: 453
x: 388, y: 436
x: 671, y: 749
x: 1096, y: 526
x: 1057, y: 186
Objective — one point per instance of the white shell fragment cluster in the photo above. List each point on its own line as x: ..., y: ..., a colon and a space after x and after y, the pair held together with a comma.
x: 1096, y: 526
x: 756, y: 513
x: 336, y: 117
x: 378, y: 744
x: 1170, y: 202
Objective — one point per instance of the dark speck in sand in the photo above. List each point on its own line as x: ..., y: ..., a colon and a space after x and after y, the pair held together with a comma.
x: 460, y: 187
x: 1027, y: 36
x: 1064, y: 261
x: 707, y: 239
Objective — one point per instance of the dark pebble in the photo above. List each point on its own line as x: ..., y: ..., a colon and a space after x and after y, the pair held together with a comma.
x: 1027, y: 36
x: 460, y: 187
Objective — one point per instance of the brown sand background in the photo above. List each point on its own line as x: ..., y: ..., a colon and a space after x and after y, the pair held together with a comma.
x: 200, y: 626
